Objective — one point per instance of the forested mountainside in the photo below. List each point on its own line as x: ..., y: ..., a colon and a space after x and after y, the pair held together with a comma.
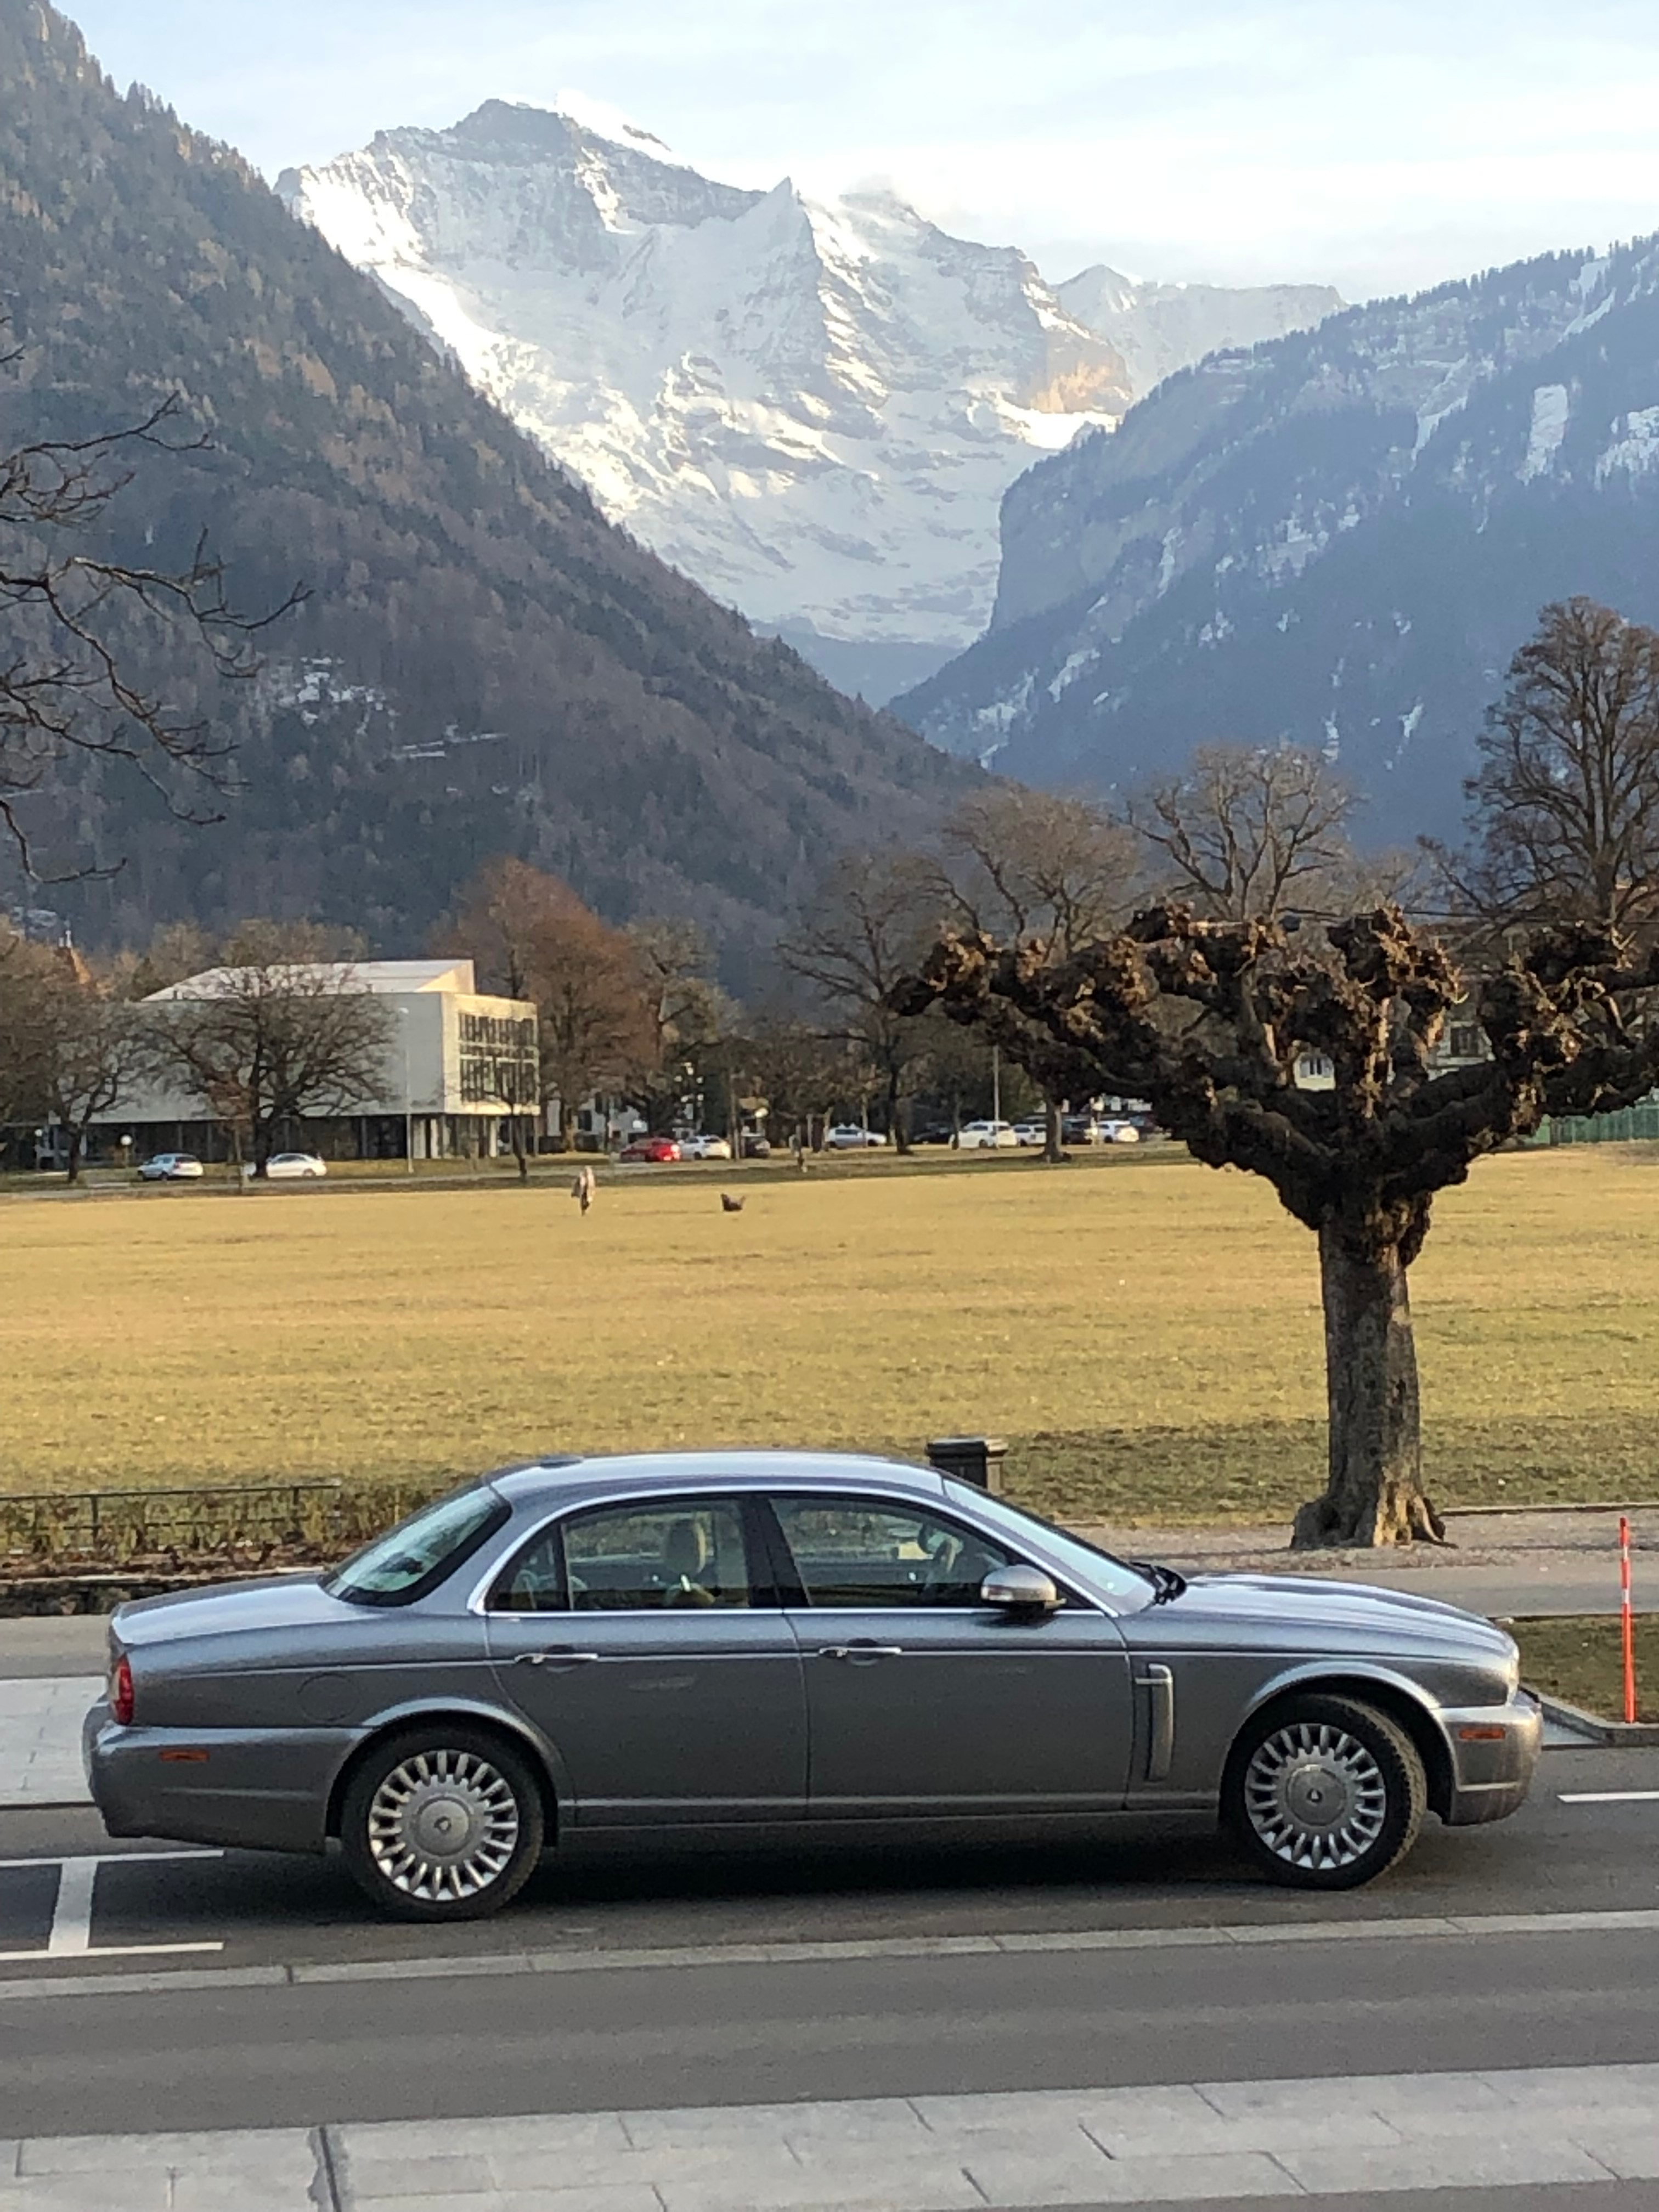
x: 813, y: 406
x: 484, y: 664
x: 1339, y: 539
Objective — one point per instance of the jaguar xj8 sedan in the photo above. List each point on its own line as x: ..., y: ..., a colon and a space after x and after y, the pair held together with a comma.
x: 785, y: 1647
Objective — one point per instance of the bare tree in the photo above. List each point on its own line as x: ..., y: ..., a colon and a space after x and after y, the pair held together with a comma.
x: 534, y: 938
x: 689, y: 1020
x: 1043, y: 868
x: 865, y: 929
x: 282, y: 1031
x: 1209, y: 1021
x: 76, y: 624
x: 799, y: 1072
x: 1564, y: 815
x: 1248, y: 831
x: 70, y: 1047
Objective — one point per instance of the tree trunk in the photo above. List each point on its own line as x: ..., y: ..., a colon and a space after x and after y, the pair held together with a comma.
x: 1375, y: 1492
x: 895, y: 1115
x: 72, y: 1161
x: 1053, y: 1149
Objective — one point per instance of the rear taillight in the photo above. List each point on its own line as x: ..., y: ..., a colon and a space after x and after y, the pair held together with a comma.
x: 121, y: 1691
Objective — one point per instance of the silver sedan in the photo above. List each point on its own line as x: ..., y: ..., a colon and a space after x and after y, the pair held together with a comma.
x: 779, y: 1646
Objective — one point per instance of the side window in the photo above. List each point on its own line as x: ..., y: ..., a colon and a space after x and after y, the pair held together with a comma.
x: 633, y: 1558
x: 860, y: 1553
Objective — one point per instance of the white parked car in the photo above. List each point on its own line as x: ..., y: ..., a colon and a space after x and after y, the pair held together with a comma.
x: 1119, y: 1133
x: 704, y: 1148
x: 986, y: 1136
x: 850, y: 1137
x: 1031, y: 1132
x: 291, y: 1167
x: 171, y: 1167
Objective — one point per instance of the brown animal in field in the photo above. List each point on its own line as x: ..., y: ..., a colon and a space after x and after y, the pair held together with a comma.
x: 730, y: 1205
x: 582, y: 1189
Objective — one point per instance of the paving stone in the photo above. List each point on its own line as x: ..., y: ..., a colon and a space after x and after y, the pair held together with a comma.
x: 1582, y: 2086
x: 549, y: 2134
x: 1631, y: 2151
x: 1492, y: 2162
x: 365, y: 2176
x: 107, y: 2191
x: 928, y: 2189
x: 1132, y: 2181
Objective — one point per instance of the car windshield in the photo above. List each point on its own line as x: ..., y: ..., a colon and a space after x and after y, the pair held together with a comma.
x: 416, y: 1555
x: 1101, y: 1570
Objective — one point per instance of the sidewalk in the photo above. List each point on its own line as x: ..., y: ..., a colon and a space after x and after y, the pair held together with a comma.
x: 1542, y: 1561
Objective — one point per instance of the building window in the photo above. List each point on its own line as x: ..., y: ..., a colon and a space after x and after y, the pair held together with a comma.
x: 498, y: 1061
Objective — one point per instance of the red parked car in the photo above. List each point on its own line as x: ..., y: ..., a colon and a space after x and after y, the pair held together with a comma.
x: 650, y: 1148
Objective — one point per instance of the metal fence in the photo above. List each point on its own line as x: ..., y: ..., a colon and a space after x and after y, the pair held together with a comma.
x: 125, y: 1524
x: 1634, y: 1124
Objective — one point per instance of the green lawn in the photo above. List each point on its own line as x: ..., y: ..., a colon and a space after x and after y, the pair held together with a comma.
x: 1580, y: 1660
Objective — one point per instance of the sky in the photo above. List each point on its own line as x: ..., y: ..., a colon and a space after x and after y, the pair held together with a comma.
x: 1379, y: 145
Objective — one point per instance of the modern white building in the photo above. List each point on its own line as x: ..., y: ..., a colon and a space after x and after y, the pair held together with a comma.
x: 452, y: 1051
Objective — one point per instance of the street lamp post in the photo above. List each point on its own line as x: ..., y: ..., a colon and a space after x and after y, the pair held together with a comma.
x: 408, y: 1099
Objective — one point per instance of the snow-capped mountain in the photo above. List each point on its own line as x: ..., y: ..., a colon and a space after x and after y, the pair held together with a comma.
x: 1340, y: 539
x: 812, y: 408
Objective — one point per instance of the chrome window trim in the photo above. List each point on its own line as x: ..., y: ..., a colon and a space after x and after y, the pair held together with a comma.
x: 477, y: 1601
x: 1062, y: 1582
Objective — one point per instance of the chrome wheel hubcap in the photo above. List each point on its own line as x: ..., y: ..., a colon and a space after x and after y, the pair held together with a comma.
x: 443, y: 1825
x: 1315, y: 1796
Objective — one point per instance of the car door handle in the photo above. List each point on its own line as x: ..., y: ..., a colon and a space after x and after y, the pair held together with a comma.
x: 1158, y: 1682
x: 857, y: 1651
x: 555, y: 1658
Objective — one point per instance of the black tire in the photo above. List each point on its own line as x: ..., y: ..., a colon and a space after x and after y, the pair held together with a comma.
x: 1324, y: 1792
x: 416, y: 1789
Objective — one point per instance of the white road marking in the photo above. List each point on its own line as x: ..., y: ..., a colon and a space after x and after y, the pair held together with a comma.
x: 71, y: 1920
x: 1610, y: 1796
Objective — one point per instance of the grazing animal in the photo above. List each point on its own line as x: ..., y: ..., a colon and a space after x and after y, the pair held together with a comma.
x: 730, y: 1205
x: 582, y: 1189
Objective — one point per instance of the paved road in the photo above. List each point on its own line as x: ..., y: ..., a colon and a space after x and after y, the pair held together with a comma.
x: 695, y: 1987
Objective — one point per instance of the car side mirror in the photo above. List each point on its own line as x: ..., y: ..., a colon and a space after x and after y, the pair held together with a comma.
x: 1019, y: 1590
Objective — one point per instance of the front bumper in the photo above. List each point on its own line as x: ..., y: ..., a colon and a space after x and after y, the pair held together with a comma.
x: 1494, y: 1753
x: 261, y: 1788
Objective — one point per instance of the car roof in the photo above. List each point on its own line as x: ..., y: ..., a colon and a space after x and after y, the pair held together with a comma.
x: 729, y: 1470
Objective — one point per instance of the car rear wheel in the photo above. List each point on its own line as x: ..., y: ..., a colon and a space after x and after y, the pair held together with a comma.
x: 1324, y: 1793
x: 445, y: 1823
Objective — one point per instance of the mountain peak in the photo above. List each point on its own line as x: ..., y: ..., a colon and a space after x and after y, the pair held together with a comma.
x: 813, y: 405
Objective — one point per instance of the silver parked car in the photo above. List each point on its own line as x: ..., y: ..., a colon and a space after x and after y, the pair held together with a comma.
x: 782, y: 1645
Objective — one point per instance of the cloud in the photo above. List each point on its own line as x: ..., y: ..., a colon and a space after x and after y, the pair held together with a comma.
x: 1376, y: 145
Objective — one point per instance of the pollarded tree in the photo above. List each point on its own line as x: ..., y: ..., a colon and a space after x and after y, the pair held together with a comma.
x: 1212, y: 1022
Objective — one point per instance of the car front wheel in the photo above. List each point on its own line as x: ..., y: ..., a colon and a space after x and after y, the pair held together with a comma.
x: 1324, y: 1793
x: 444, y: 1823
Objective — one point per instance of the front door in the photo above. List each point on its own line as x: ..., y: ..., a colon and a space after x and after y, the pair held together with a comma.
x: 656, y: 1663
x: 923, y: 1702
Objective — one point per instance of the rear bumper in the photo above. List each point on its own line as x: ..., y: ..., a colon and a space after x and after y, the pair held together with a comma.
x: 1494, y: 1753
x: 260, y: 1789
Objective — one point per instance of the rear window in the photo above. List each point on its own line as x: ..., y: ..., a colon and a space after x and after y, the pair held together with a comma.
x: 419, y: 1553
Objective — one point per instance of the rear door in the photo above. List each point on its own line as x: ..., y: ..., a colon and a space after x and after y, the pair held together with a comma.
x: 923, y: 1702
x: 645, y: 1641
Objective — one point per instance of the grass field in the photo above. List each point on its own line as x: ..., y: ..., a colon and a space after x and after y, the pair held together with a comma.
x: 1580, y: 1661
x: 1145, y: 1334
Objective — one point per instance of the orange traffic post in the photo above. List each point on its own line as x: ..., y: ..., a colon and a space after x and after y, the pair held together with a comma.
x: 1626, y: 1619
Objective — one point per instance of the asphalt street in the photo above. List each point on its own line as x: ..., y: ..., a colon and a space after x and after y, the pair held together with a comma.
x: 674, y: 1982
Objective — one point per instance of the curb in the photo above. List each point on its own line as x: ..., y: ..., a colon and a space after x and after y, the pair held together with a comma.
x: 1607, y: 1735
